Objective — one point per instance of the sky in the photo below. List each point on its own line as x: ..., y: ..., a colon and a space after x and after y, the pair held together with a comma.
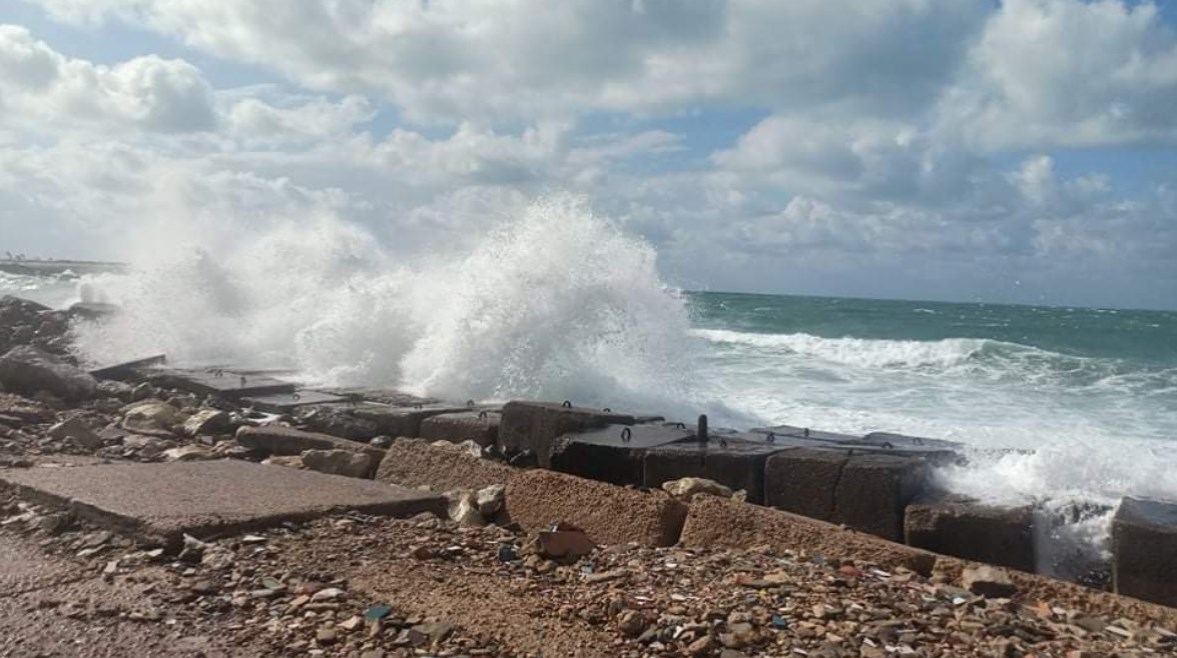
x: 972, y: 150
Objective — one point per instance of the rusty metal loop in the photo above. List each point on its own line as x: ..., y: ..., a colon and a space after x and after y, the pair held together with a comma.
x: 567, y: 404
x: 771, y: 438
x: 483, y: 414
x: 469, y: 404
x: 626, y: 435
x: 607, y: 410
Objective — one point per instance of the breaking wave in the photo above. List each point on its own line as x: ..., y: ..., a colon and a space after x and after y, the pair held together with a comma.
x: 556, y: 303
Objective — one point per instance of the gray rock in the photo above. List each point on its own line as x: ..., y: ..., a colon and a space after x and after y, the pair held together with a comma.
x: 339, y: 462
x: 490, y: 500
x: 78, y: 432
x: 988, y: 581
x: 154, y: 417
x: 208, y: 421
x: 27, y: 370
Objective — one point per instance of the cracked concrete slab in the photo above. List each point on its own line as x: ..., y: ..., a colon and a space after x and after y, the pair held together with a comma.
x: 162, y: 502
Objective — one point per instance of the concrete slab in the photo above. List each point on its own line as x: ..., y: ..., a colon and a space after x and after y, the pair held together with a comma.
x: 227, y: 383
x: 162, y: 502
x: 127, y: 369
x: 735, y: 461
x: 481, y: 427
x: 381, y: 395
x: 363, y: 421
x: 960, y: 527
x: 284, y: 403
x: 533, y: 426
x: 1144, y: 550
x: 613, y: 454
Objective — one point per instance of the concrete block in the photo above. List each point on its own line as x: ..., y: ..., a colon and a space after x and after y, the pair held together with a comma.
x: 804, y: 480
x: 534, y: 426
x: 960, y: 527
x: 226, y: 383
x: 722, y: 523
x: 284, y: 403
x: 1144, y: 550
x: 795, y: 432
x: 481, y: 427
x: 867, y: 492
x: 935, y: 451
x: 162, y: 502
x: 735, y: 461
x: 613, y: 454
x: 362, y: 421
x: 874, y: 490
x: 415, y: 463
x: 282, y: 440
x: 609, y: 514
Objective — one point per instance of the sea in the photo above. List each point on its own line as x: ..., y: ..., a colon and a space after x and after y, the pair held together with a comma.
x: 1067, y: 408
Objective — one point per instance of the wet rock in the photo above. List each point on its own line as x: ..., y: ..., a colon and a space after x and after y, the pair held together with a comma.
x: 78, y: 432
x: 339, y: 462
x: 988, y: 581
x: 28, y: 370
x: 687, y: 488
x: 208, y: 421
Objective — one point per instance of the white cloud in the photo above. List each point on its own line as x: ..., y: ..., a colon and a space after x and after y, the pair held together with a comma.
x: 145, y: 93
x: 1067, y: 73
x: 457, y: 59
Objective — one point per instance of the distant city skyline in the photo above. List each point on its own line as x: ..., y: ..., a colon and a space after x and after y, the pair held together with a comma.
x: 1019, y: 151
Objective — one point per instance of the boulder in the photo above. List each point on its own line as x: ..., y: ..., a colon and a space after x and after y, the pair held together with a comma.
x: 27, y: 370
x: 188, y: 453
x: 685, y: 489
x: 491, y: 499
x: 282, y: 440
x: 153, y: 417
x: 208, y: 421
x: 608, y: 514
x: 78, y: 432
x: 533, y: 426
x: 348, y: 463
x: 440, y: 466
x: 965, y: 528
x: 988, y: 581
x: 463, y: 508
x: 1144, y: 550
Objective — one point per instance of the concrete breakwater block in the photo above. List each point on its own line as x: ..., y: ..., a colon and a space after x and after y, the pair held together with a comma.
x: 162, y: 502
x: 282, y: 440
x: 796, y: 432
x: 1144, y: 550
x: 481, y: 427
x: 734, y: 460
x: 284, y: 403
x: 607, y: 513
x: 534, y: 426
x: 867, y: 492
x: 613, y: 454
x: 415, y: 463
x: 961, y: 527
x: 363, y: 421
x: 723, y: 523
x: 226, y: 383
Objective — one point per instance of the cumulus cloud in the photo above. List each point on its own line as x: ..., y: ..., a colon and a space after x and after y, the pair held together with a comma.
x: 146, y: 93
x: 1067, y: 73
x: 457, y: 59
x: 905, y: 145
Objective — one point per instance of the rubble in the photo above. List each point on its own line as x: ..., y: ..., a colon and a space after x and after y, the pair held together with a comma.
x: 27, y: 370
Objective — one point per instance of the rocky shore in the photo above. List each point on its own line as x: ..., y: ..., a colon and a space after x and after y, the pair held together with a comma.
x: 124, y: 532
